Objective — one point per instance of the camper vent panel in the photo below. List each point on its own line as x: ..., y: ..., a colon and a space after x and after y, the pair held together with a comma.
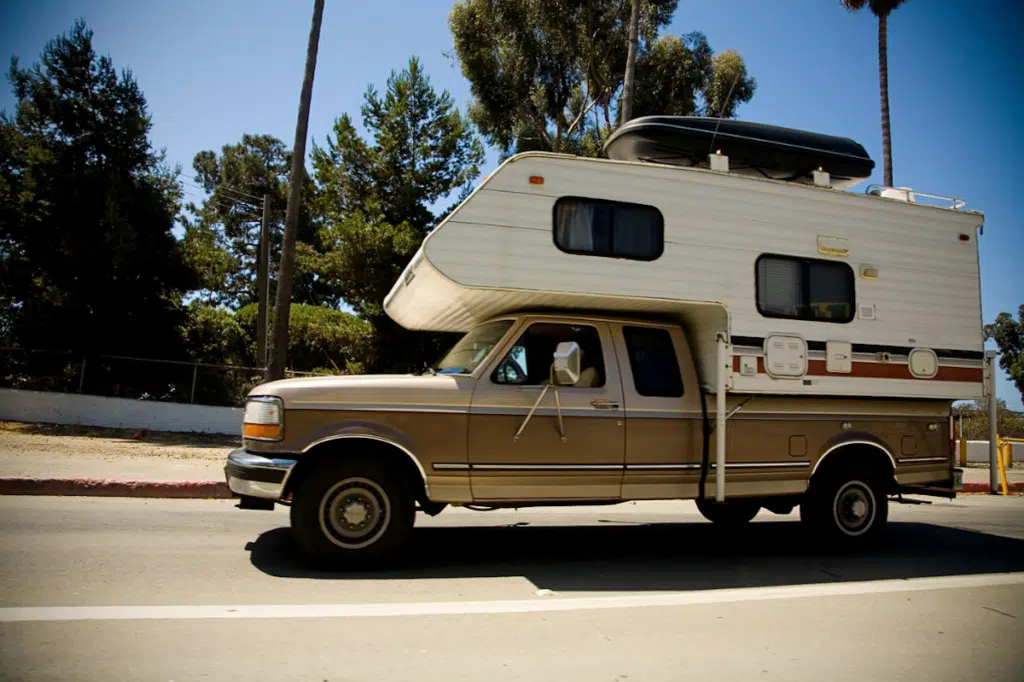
x: 866, y: 311
x: 785, y: 355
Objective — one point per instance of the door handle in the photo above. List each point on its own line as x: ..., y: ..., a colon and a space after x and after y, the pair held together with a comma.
x: 604, y: 404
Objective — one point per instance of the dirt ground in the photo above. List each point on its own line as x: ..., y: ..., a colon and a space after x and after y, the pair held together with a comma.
x: 77, y: 441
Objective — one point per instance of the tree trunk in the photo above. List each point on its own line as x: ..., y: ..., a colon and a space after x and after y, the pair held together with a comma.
x: 883, y: 86
x: 286, y: 269
x: 628, y: 81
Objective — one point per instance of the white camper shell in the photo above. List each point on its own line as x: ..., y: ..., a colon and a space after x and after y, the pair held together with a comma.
x: 814, y: 290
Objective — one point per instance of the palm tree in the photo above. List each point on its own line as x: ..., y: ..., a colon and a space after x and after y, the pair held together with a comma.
x: 881, y: 9
x: 286, y: 268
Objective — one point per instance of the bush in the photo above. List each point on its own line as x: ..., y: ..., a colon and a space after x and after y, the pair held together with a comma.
x: 319, y: 337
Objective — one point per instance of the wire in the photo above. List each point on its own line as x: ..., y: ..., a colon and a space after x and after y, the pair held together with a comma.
x: 223, y: 202
x: 221, y: 186
x: 225, y: 189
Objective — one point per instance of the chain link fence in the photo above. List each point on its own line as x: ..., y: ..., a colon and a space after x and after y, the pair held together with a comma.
x: 120, y: 376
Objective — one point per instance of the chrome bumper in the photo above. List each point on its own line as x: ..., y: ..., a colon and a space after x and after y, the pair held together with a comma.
x: 252, y: 475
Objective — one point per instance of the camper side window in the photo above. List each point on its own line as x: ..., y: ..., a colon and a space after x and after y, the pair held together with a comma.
x: 805, y: 289
x: 609, y: 228
x: 528, y: 362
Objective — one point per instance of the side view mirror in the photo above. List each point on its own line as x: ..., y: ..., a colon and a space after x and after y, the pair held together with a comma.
x: 565, y: 369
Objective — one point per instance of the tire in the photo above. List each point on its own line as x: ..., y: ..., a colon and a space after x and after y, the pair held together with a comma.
x: 846, y: 509
x: 731, y: 513
x: 353, y: 514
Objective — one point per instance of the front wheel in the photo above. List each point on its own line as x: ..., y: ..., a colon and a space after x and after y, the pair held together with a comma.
x: 730, y: 513
x: 352, y: 514
x: 846, y: 510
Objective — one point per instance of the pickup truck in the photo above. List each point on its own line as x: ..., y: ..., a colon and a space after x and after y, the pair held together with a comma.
x: 533, y: 409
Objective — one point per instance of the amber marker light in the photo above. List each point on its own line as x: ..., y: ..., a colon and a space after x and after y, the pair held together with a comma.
x: 536, y: 180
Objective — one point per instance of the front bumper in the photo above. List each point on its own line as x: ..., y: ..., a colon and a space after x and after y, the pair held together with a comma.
x: 251, y: 475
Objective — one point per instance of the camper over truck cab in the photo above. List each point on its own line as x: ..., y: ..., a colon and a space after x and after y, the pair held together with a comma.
x: 736, y: 328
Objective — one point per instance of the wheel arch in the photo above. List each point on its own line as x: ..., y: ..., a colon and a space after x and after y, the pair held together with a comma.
x: 864, y: 447
x: 339, y: 445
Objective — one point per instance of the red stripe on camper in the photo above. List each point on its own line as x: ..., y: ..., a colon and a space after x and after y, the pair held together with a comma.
x: 881, y: 370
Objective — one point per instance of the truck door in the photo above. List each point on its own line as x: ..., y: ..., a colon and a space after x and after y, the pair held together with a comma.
x: 539, y: 465
x: 664, y: 421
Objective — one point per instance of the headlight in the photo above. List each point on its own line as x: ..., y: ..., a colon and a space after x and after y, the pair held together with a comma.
x: 263, y: 420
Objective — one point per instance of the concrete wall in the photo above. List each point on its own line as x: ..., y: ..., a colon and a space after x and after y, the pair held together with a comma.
x: 977, y: 451
x: 92, y: 410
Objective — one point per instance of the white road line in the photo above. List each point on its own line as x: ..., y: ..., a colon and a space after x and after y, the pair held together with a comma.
x: 543, y: 604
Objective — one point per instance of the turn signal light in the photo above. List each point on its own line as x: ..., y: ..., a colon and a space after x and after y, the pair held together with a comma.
x: 262, y: 431
x: 536, y: 180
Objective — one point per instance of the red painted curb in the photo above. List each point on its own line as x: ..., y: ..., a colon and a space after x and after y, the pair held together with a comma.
x: 985, y: 488
x: 99, y: 487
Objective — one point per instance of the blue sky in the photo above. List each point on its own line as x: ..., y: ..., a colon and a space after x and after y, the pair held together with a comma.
x: 214, y: 70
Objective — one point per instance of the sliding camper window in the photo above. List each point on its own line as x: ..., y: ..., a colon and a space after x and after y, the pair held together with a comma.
x: 805, y: 289
x: 611, y: 229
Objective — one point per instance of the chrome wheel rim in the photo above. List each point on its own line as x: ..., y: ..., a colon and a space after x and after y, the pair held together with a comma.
x: 354, y: 513
x: 854, y: 508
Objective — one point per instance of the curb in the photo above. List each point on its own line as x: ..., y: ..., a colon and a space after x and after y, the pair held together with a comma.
x: 105, y: 487
x: 1017, y: 487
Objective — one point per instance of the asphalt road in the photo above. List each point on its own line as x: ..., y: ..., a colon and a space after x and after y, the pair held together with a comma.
x: 112, y: 589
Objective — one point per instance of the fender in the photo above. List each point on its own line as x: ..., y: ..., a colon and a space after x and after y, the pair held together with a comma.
x: 370, y: 431
x: 855, y: 438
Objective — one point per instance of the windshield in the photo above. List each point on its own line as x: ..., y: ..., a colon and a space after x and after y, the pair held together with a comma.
x: 466, y: 355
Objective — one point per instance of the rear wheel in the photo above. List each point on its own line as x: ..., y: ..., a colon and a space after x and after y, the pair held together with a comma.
x: 729, y: 513
x: 353, y: 514
x: 846, y: 508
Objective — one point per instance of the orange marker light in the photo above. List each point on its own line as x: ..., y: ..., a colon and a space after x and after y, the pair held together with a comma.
x: 536, y: 180
x: 262, y: 431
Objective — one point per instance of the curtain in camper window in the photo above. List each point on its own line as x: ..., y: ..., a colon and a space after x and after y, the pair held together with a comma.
x: 610, y: 229
x: 780, y: 288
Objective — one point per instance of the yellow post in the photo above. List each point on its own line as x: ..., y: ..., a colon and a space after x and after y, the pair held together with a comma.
x: 963, y: 451
x: 1002, y: 465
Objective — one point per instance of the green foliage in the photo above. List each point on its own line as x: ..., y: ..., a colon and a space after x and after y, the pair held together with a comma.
x: 319, y: 339
x: 222, y: 241
x: 214, y: 335
x: 547, y: 74
x: 88, y: 261
x: 975, y: 420
x: 375, y: 197
x: 1009, y: 336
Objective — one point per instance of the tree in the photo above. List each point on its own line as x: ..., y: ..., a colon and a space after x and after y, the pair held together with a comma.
x: 376, y: 196
x: 278, y: 345
x: 222, y: 239
x: 1009, y: 336
x: 974, y: 418
x: 556, y: 85
x: 881, y: 9
x: 88, y: 261
x: 627, y: 81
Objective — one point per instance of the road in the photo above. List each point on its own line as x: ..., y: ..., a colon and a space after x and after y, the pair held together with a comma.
x: 112, y: 589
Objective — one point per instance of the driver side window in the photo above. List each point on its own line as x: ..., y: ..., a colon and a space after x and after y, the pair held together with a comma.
x: 528, y: 363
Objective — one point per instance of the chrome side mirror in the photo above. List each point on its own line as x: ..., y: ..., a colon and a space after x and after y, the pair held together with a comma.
x: 565, y: 369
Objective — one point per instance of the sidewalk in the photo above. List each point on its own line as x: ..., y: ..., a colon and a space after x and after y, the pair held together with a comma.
x: 49, y: 459
x: 62, y: 460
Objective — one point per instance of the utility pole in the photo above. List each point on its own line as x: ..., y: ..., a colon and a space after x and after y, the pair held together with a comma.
x: 263, y: 285
x: 629, y: 80
x: 993, y: 423
x: 286, y: 269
